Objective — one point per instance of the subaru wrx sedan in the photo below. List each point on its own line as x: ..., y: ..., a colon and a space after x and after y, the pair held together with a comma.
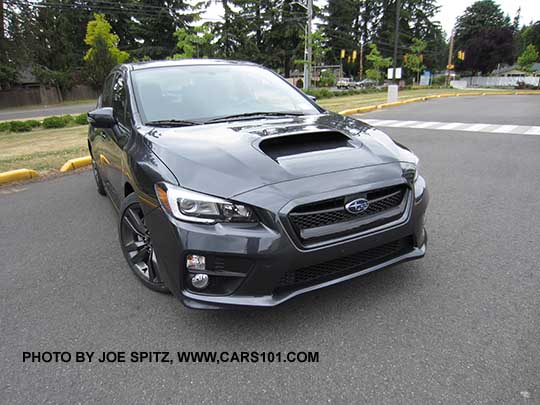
x: 236, y: 189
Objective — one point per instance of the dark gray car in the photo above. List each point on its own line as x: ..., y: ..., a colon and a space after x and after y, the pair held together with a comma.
x: 236, y: 189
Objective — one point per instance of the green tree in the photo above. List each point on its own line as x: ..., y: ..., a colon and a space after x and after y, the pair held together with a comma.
x: 195, y: 43
x: 328, y: 79
x: 414, y: 60
x: 486, y: 36
x: 377, y: 64
x: 155, y: 25
x: 528, y: 58
x: 529, y: 34
x: 103, y: 54
x: 262, y: 31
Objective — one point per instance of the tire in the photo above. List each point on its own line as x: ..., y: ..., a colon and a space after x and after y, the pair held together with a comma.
x: 136, y: 244
x: 97, y: 178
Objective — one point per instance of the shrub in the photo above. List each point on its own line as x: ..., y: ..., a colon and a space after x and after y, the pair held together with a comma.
x: 328, y: 79
x: 68, y: 119
x: 327, y: 93
x: 438, y: 80
x: 33, y: 123
x: 54, y: 122
x: 20, y: 126
x: 5, y: 126
x: 81, y: 119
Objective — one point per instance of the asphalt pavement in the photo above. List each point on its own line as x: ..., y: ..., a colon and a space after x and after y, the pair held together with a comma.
x: 460, y: 326
x: 22, y: 113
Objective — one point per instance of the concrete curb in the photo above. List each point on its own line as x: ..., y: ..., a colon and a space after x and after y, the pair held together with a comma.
x: 76, y: 163
x: 369, y: 108
x: 17, y: 175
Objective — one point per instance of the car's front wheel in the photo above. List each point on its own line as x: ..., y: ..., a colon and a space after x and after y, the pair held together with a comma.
x: 136, y: 244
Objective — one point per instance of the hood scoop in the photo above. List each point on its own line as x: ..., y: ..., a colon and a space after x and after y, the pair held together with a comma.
x: 300, y: 144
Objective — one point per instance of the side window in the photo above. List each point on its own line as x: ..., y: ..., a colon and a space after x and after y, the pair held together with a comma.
x: 106, y: 100
x: 119, y: 101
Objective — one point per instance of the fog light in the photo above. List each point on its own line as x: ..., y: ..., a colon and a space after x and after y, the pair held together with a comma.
x: 199, y: 281
x: 196, y: 262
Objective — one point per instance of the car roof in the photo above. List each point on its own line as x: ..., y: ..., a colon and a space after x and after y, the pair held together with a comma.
x: 183, y: 62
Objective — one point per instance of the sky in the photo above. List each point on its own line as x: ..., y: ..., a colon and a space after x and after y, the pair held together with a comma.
x: 450, y: 10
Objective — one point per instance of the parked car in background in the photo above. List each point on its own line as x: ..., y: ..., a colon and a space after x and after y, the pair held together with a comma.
x: 366, y: 84
x: 346, y: 83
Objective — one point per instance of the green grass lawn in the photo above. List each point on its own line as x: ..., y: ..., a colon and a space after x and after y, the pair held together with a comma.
x: 338, y: 104
x: 43, y: 150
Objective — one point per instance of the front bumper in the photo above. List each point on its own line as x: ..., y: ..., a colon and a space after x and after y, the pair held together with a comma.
x: 264, y: 255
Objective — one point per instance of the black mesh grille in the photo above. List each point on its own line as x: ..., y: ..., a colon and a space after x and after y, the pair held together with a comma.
x: 342, y: 266
x: 333, y: 211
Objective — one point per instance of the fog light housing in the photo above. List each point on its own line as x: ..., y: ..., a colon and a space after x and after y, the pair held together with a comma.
x: 200, y: 281
x: 196, y: 262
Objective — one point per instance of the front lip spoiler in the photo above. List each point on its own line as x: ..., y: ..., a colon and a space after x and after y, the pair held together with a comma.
x: 196, y: 301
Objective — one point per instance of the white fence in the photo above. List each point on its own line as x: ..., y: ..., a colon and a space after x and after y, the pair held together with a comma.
x: 500, y: 81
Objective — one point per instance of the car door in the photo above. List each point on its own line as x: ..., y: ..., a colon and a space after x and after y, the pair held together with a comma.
x: 118, y: 137
x: 99, y: 141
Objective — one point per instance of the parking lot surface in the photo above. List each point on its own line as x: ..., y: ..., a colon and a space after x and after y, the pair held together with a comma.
x: 461, y: 325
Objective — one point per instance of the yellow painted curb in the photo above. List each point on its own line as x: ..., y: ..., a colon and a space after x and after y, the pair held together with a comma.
x: 358, y: 110
x: 73, y: 164
x: 17, y: 175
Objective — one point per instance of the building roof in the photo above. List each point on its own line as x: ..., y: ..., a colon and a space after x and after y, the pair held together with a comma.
x: 516, y: 68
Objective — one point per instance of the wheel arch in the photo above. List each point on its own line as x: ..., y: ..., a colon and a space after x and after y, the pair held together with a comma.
x: 128, y: 189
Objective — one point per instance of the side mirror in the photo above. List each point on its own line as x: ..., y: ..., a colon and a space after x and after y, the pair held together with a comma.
x: 102, y: 118
x: 312, y: 98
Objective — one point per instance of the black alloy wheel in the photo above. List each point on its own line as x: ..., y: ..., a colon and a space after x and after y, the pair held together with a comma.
x: 136, y: 244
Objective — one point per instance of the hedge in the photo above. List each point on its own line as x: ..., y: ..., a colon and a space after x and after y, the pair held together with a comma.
x: 54, y: 122
x: 321, y: 93
x: 81, y: 119
x: 20, y: 126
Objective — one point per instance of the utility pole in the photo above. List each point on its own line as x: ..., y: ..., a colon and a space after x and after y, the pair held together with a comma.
x: 2, y: 19
x: 308, y: 51
x: 361, y: 72
x: 450, y: 54
x: 396, y: 38
x: 393, y: 88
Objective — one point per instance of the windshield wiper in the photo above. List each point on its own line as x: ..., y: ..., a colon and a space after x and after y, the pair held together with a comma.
x: 172, y: 123
x: 255, y: 114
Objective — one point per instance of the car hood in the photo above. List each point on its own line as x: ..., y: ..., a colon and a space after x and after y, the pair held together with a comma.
x: 227, y: 159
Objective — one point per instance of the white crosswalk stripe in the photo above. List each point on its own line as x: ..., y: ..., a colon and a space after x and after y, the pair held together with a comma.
x: 507, y: 129
x: 451, y: 125
x: 457, y: 126
x: 533, y: 131
x: 427, y: 124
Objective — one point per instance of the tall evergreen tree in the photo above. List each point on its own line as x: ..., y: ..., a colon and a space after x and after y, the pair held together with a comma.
x: 156, y: 21
x: 486, y: 36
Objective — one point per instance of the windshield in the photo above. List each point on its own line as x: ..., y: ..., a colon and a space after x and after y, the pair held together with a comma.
x: 200, y: 93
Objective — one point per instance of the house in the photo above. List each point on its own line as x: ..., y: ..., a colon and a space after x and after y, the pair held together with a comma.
x: 515, y: 71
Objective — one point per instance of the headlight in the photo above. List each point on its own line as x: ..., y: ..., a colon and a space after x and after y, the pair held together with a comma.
x: 410, y: 170
x: 187, y: 205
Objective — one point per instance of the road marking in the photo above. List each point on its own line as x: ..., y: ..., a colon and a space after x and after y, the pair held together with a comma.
x: 506, y: 129
x: 533, y: 131
x: 458, y: 126
x: 451, y: 125
x: 403, y: 123
x: 425, y: 124
x: 478, y: 127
